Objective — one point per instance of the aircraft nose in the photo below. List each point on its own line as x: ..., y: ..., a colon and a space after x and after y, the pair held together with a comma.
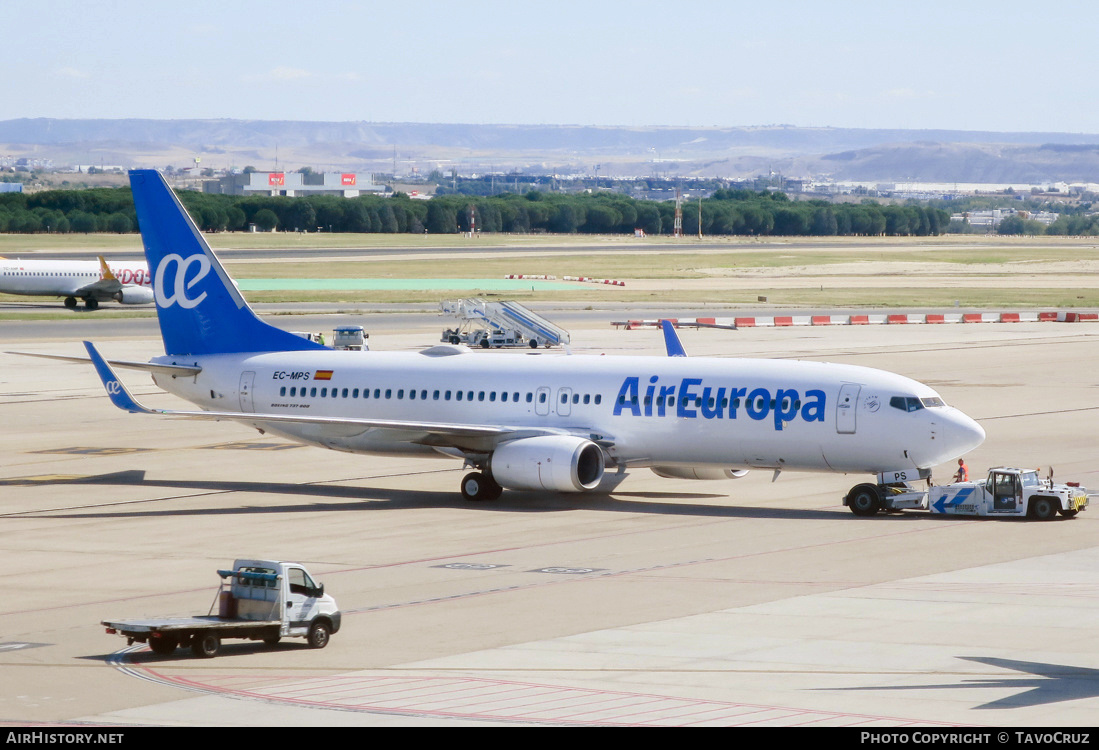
x: 962, y: 434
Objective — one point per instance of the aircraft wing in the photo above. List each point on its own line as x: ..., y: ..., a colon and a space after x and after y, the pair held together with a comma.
x: 440, y: 434
x: 102, y: 288
x: 108, y: 284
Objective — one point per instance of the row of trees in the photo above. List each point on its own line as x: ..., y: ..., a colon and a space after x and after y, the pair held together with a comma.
x: 726, y: 212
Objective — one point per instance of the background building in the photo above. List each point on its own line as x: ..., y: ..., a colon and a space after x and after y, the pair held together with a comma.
x: 344, y: 184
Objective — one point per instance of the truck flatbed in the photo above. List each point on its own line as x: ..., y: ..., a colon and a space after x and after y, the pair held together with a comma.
x: 168, y: 624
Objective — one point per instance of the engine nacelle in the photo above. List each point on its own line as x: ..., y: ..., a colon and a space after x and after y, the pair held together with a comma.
x: 559, y: 463
x: 697, y: 472
x: 134, y: 295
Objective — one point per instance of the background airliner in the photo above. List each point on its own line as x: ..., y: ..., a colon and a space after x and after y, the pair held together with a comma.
x: 93, y: 281
x: 530, y: 421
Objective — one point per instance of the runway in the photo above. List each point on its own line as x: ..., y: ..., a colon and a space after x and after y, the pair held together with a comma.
x: 669, y: 603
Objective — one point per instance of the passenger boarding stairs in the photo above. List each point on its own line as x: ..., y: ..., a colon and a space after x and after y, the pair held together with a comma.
x: 506, y: 315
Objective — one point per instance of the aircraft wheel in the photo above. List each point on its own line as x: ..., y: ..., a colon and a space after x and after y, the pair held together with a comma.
x: 479, y: 486
x: 206, y: 645
x: 70, y: 302
x: 91, y: 303
x: 864, y: 499
x: 1042, y: 509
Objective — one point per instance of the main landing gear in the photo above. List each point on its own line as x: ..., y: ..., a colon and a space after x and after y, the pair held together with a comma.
x: 90, y: 303
x: 478, y: 485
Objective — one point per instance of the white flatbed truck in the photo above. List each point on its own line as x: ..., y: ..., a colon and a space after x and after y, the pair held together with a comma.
x: 259, y: 600
x: 1005, y: 492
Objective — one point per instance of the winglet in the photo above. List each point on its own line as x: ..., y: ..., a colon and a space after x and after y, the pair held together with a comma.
x: 117, y: 392
x: 104, y: 271
x: 671, y: 340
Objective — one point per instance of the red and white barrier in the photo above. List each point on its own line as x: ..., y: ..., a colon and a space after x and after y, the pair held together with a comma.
x: 780, y: 321
x: 590, y: 280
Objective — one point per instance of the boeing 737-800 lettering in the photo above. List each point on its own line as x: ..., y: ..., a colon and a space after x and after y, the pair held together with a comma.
x: 529, y: 421
x: 89, y: 280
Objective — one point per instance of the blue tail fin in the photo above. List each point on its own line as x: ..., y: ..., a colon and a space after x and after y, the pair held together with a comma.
x: 199, y: 307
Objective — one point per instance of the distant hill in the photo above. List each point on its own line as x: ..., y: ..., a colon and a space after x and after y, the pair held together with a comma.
x: 842, y: 153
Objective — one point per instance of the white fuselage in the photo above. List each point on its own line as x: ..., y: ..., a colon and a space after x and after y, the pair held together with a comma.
x: 63, y: 278
x: 645, y: 411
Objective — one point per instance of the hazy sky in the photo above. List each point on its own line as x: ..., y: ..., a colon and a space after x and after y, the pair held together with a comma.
x: 1004, y: 65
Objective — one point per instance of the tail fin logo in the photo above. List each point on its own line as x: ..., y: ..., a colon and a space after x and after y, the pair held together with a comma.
x: 179, y: 282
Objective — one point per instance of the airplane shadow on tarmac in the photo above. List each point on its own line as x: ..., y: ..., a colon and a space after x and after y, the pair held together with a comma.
x: 331, y: 497
x: 1041, y: 683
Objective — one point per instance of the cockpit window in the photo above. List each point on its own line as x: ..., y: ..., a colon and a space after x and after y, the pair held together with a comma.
x: 932, y: 402
x: 906, y: 403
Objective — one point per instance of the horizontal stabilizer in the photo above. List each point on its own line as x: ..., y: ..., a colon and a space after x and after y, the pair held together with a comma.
x: 173, y: 370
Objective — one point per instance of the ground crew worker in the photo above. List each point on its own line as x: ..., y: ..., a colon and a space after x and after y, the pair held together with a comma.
x: 320, y: 338
x: 962, y: 474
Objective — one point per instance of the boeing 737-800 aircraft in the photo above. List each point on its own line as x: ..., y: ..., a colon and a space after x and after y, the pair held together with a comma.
x: 523, y: 421
x: 89, y: 280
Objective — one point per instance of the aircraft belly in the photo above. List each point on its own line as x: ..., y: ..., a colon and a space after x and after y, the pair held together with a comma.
x: 357, y: 440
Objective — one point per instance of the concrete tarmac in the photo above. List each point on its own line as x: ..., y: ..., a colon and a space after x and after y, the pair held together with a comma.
x: 736, y: 603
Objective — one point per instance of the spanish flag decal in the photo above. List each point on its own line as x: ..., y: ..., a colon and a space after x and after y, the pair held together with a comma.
x: 322, y: 375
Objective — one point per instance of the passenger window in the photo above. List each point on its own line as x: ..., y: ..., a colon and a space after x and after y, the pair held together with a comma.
x: 598, y: 398
x: 282, y: 391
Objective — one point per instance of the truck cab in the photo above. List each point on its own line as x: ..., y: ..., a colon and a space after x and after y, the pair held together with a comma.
x: 271, y: 590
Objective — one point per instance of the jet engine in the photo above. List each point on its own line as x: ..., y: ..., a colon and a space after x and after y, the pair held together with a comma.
x: 134, y: 295
x: 560, y: 463
x: 697, y: 472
